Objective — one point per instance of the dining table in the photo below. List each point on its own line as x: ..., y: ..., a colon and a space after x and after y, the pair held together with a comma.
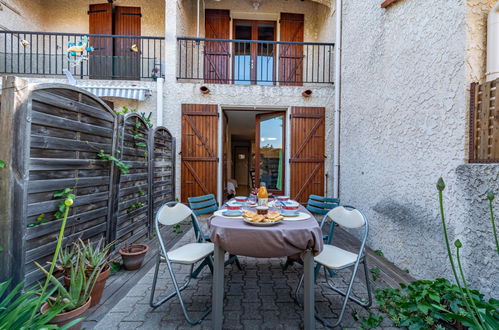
x: 299, y: 236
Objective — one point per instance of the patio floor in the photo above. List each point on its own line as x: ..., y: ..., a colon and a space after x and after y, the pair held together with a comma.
x: 258, y: 297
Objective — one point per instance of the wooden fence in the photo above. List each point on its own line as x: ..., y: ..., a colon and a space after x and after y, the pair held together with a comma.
x: 51, y: 136
x: 484, y: 122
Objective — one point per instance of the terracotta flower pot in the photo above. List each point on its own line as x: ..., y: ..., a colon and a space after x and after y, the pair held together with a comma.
x: 133, y: 260
x: 98, y: 289
x: 64, y: 318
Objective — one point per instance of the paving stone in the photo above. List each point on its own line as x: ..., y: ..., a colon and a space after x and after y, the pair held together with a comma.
x: 129, y: 325
x: 111, y: 321
x: 258, y: 297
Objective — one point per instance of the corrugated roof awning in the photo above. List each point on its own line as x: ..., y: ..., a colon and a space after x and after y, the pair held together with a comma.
x: 134, y: 93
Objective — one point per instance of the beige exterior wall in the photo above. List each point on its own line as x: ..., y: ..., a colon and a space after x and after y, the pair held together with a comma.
x: 319, y: 23
x: 71, y: 16
x: 22, y: 15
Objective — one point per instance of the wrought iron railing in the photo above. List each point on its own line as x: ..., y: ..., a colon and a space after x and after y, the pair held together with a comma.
x: 101, y: 57
x: 254, y: 62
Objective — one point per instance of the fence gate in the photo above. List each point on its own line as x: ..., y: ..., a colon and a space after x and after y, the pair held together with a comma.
x: 52, y: 135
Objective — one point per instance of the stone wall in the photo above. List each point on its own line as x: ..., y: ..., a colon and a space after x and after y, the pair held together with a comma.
x: 404, y: 117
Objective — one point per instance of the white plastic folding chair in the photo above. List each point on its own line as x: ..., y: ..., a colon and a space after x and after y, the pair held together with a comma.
x: 189, y: 254
x: 335, y: 258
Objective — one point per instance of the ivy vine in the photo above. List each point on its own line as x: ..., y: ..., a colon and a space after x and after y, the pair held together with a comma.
x: 124, y: 168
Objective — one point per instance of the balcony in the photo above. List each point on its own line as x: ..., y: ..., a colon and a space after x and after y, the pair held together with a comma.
x: 225, y: 61
x: 101, y: 57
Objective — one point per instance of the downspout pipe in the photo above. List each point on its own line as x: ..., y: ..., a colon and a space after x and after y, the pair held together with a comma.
x: 337, y: 102
x: 197, y: 27
x: 159, y: 101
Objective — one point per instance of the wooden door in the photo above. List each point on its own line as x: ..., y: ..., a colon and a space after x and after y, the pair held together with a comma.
x: 307, y: 152
x: 199, y: 150
x: 216, y: 53
x: 127, y: 50
x: 100, y: 18
x: 270, y: 145
x: 291, y: 56
x: 241, y: 165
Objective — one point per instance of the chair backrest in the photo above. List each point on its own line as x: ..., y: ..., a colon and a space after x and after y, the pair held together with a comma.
x: 321, y: 205
x: 203, y: 204
x: 172, y: 213
x: 349, y: 218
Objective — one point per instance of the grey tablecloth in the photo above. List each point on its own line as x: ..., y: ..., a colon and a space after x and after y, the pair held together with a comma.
x: 287, y: 238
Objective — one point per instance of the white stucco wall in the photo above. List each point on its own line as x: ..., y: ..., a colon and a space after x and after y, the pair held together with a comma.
x: 249, y: 96
x: 404, y: 115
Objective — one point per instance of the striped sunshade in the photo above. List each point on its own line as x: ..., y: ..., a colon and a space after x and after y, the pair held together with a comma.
x: 135, y: 93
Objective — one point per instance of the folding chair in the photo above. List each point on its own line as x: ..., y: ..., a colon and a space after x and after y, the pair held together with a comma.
x: 168, y: 215
x: 206, y: 205
x: 318, y: 205
x: 335, y: 258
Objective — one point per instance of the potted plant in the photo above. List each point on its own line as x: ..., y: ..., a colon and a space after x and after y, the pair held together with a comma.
x: 133, y: 255
x: 94, y: 258
x: 75, y: 300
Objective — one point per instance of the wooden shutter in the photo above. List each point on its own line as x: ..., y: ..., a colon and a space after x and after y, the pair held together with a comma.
x: 199, y: 150
x: 291, y: 56
x: 127, y: 61
x: 216, y: 53
x: 100, y: 21
x: 307, y: 152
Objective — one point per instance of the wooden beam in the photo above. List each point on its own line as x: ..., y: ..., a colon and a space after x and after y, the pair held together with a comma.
x: 387, y: 3
x: 14, y: 150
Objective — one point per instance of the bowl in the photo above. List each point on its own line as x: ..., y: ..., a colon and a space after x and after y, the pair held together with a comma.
x: 233, y: 207
x: 290, y: 205
x: 241, y: 198
x: 282, y: 198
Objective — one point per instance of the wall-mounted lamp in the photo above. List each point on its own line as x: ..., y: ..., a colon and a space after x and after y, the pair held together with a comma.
x: 256, y: 4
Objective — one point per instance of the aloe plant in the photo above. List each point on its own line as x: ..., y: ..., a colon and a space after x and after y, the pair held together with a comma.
x: 80, y: 287
x: 16, y: 307
x: 94, y: 257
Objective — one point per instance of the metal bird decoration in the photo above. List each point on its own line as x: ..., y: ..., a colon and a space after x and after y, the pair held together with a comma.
x: 24, y: 43
x: 134, y: 48
x: 76, y: 51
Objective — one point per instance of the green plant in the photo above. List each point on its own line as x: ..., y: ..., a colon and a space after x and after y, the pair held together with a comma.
x: 115, y: 267
x: 17, y: 305
x: 40, y: 219
x: 66, y: 193
x: 423, y: 304
x: 65, y: 259
x: 379, y: 253
x: 372, y: 321
x: 80, y: 286
x: 135, y: 206
x: 142, y: 193
x: 177, y: 229
x: 147, y: 119
x: 481, y: 318
x: 2, y: 164
x: 375, y: 273
x: 124, y: 168
x: 68, y: 202
x: 94, y: 256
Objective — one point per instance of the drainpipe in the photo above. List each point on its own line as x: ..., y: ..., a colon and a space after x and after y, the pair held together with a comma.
x: 159, y: 101
x: 197, y: 27
x: 337, y: 102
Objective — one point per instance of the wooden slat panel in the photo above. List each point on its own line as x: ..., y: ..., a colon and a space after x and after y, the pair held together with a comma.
x: 307, y: 152
x: 199, y: 150
x: 133, y: 207
x: 484, y: 123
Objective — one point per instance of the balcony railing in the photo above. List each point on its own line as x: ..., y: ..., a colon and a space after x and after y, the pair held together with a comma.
x: 103, y: 56
x: 226, y: 61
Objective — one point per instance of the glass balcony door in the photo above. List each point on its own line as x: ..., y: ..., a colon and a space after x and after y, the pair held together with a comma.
x: 270, y: 146
x: 254, y: 62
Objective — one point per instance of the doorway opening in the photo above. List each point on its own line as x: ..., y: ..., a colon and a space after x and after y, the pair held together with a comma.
x: 254, y: 150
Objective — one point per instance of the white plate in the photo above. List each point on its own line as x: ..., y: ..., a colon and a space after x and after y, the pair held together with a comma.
x: 299, y: 217
x: 219, y: 214
x: 261, y: 224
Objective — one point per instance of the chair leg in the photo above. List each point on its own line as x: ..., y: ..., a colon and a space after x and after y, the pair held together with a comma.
x: 199, y: 268
x: 176, y: 292
x: 233, y: 259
